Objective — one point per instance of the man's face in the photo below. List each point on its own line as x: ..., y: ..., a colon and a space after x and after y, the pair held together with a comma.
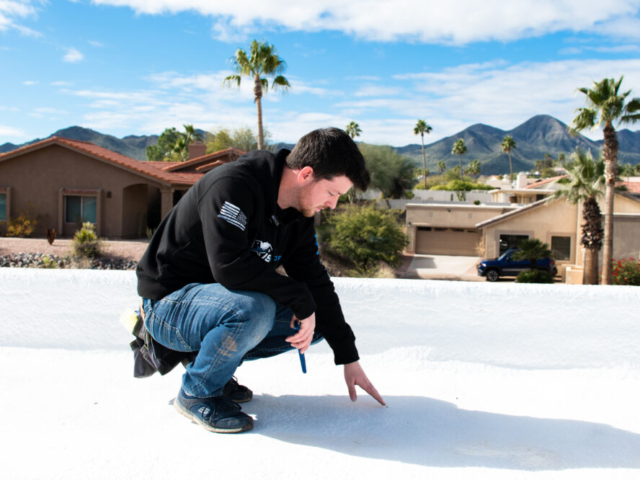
x: 316, y: 195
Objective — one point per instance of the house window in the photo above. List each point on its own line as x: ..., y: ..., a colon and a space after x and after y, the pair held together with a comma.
x: 80, y: 209
x: 510, y: 241
x: 561, y: 248
x: 3, y: 207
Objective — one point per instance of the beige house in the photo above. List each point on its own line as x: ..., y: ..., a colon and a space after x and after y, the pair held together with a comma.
x: 489, y: 231
x: 66, y: 182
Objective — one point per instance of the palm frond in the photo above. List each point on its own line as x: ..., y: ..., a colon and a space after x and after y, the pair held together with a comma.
x: 231, y: 79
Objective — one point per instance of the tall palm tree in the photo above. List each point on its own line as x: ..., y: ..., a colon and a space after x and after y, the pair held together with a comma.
x: 459, y: 148
x: 605, y: 105
x: 421, y: 128
x: 353, y: 130
x: 585, y: 185
x: 263, y: 62
x: 474, y: 169
x: 508, y: 144
x: 442, y: 166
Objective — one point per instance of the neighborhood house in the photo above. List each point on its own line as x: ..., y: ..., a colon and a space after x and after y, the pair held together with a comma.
x: 64, y: 183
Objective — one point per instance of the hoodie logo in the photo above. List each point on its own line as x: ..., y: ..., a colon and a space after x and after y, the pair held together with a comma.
x: 263, y: 249
x: 233, y: 215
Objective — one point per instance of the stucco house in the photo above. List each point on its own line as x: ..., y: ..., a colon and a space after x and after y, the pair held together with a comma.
x: 483, y: 230
x: 66, y: 182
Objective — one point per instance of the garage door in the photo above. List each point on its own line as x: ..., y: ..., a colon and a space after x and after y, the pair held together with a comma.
x: 447, y: 241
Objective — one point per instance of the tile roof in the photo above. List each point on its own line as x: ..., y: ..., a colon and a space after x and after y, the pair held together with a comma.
x: 200, y: 163
x: 632, y: 187
x: 155, y: 170
x: 545, y: 181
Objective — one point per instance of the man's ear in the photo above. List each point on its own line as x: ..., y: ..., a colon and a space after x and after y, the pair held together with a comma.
x: 305, y: 175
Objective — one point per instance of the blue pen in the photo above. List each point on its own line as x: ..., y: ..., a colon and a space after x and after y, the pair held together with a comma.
x: 303, y: 363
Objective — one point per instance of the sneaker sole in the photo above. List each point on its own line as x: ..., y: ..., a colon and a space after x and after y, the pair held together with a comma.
x: 206, y: 426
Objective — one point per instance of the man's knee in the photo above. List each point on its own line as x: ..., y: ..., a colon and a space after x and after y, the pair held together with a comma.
x: 256, y: 313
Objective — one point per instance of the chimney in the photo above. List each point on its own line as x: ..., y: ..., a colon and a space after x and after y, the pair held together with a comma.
x: 522, y: 180
x: 197, y: 149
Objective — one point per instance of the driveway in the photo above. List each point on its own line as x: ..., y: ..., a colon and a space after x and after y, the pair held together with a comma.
x: 444, y: 267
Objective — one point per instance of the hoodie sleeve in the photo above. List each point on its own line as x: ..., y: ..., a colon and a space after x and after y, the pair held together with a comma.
x: 304, y: 266
x: 228, y: 209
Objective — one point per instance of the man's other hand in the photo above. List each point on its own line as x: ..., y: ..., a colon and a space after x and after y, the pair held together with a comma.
x: 302, y: 339
x: 354, y: 375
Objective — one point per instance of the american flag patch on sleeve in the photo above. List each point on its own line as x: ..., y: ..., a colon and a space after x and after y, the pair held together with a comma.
x: 232, y: 214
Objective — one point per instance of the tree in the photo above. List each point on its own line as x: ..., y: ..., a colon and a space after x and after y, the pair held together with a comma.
x: 391, y: 172
x: 532, y: 249
x: 474, y: 169
x: 186, y: 138
x: 442, y: 166
x: 584, y: 185
x: 627, y: 170
x: 353, y: 130
x: 508, y: 144
x: 606, y: 105
x: 367, y: 236
x: 459, y: 148
x: 421, y: 128
x: 263, y: 62
x: 164, y: 148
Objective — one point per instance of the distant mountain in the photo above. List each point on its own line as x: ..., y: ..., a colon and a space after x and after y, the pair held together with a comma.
x: 536, y: 137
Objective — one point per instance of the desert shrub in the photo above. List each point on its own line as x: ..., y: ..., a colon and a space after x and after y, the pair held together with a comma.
x: 462, y: 186
x: 626, y: 272
x: 367, y: 236
x: 86, y: 243
x: 534, y: 276
x: 23, y: 225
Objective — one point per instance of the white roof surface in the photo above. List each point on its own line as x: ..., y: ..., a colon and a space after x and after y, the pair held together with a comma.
x: 483, y: 381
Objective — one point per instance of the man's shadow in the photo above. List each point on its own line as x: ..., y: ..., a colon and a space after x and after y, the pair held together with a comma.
x: 435, y: 433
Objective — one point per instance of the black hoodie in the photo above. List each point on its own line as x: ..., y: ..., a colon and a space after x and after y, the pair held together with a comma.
x: 229, y: 229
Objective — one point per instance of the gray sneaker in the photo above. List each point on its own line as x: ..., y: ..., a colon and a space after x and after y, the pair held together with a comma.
x: 216, y: 414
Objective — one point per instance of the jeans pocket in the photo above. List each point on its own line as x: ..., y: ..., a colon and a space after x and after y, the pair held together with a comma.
x: 166, y: 334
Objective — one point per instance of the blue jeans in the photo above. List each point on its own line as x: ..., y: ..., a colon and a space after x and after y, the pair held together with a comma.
x: 224, y: 326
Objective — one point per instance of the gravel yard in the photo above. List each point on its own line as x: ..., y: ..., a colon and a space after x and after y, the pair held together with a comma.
x: 116, y: 254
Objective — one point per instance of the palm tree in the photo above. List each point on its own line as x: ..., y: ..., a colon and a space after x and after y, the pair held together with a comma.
x: 185, y: 139
x: 442, y: 166
x: 421, y: 128
x: 584, y: 185
x: 605, y: 105
x: 532, y: 249
x: 474, y: 169
x: 263, y: 62
x: 459, y: 148
x: 508, y: 144
x: 353, y: 130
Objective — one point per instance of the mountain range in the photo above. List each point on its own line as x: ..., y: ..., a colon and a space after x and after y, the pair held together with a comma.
x: 538, y: 136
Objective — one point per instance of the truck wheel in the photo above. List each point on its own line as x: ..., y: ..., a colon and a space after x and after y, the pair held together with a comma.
x: 493, y: 275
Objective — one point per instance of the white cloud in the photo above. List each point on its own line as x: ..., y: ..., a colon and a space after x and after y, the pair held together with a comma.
x: 96, y: 44
x: 11, y: 132
x: 455, y: 22
x: 14, y: 11
x: 73, y: 56
x: 62, y: 84
x: 377, y: 91
x: 30, y: 82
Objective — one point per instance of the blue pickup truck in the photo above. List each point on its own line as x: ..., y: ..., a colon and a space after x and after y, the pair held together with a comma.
x: 506, y: 266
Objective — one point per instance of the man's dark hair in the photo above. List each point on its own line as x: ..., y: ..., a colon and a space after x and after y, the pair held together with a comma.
x: 331, y: 153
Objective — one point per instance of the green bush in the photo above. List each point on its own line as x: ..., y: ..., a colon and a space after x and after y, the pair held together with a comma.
x: 367, y: 236
x: 86, y: 243
x: 626, y: 272
x: 462, y: 186
x: 534, y: 276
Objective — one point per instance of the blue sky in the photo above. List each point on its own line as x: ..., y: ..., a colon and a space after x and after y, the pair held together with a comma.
x: 136, y: 67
